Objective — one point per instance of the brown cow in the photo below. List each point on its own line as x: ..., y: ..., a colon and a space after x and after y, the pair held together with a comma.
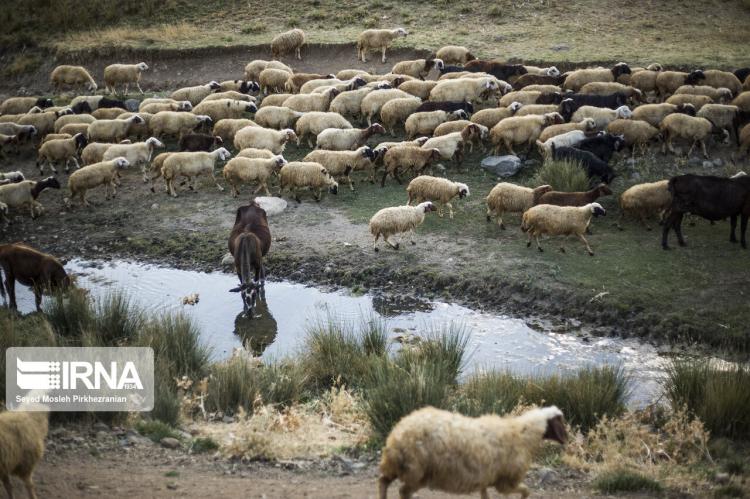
x: 40, y: 271
x: 249, y: 242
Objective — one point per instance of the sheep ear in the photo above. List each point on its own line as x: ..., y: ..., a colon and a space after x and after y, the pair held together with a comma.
x: 556, y: 430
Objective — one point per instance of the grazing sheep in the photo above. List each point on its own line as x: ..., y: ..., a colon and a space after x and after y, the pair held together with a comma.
x: 560, y: 221
x: 313, y: 123
x: 692, y: 128
x: 406, y: 158
x: 587, y: 125
x: 157, y: 107
x: 263, y: 138
x: 697, y: 101
x: 252, y: 153
x: 273, y: 80
x: 336, y: 139
x: 635, y: 133
x: 653, y: 114
x: 124, y: 74
x: 373, y: 102
x: 669, y: 81
x: 138, y: 154
x: 521, y: 130
x: 465, y: 90
x: 426, y: 122
x: 176, y: 123
x: 418, y: 88
x: 254, y: 68
x: 492, y: 116
x: 439, y: 190
x: 60, y: 150
x: 418, y: 68
x: 451, y: 146
x: 241, y: 170
x: 601, y: 116
x: 113, y: 130
x: 311, y: 102
x: 241, y: 86
x: 716, y: 94
x: 71, y: 76
x: 191, y: 165
x: 396, y: 111
x: 88, y: 177
x: 644, y: 200
x: 340, y: 164
x: 396, y: 220
x: 377, y: 39
x: 510, y: 198
x: 72, y: 118
x: 21, y: 105
x: 224, y: 109
x: 459, y: 454
x: 228, y: 128
x: 297, y: 175
x: 288, y: 42
x: 578, y: 78
x: 454, y: 54
x: 195, y: 94
x: 723, y: 117
x: 722, y: 79
x: 499, y: 70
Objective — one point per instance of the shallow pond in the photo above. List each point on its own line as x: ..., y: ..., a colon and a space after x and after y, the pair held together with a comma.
x: 278, y: 325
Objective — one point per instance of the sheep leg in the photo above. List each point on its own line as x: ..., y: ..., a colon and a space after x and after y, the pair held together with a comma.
x: 450, y: 210
x: 588, y: 248
x: 395, y: 175
x: 703, y: 147
x: 127, y: 86
x: 536, y: 236
x: 732, y: 229
x: 396, y: 246
x: 743, y: 230
x: 351, y: 183
x: 9, y: 487
x: 375, y: 247
x: 137, y: 84
x: 216, y: 182
x: 520, y: 489
x: 383, y: 484
x: 170, y: 188
x: 383, y: 59
x: 483, y: 494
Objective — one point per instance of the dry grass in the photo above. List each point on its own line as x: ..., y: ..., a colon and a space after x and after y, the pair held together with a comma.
x: 182, y: 34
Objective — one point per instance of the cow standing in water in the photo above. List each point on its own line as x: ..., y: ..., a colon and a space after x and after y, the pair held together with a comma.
x: 40, y: 271
x: 249, y: 242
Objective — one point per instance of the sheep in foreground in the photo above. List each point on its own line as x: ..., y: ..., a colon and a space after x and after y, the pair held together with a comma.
x: 273, y: 80
x: 560, y: 221
x: 21, y: 105
x: 288, y: 42
x: 191, y: 165
x: 601, y: 116
x: 340, y: 164
x: 510, y: 198
x: 459, y: 454
x: 521, y: 130
x: 22, y: 437
x: 436, y: 189
x: 396, y: 220
x: 228, y: 128
x: 692, y: 128
x: 406, y: 158
x: 63, y: 150
x: 723, y: 117
x: 426, y: 122
x: 297, y: 175
x: 336, y: 139
x: 492, y: 116
x: 103, y: 173
x: 644, y: 200
x: 313, y: 123
x: 454, y: 54
x: 241, y: 170
x: 263, y: 138
x: 138, y: 154
x: 377, y: 39
x: 635, y: 132
x: 71, y: 76
x: 25, y: 193
x: 195, y: 94
x: 578, y: 78
x: 176, y: 123
x: 123, y: 74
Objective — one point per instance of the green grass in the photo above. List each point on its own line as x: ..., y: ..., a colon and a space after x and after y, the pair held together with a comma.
x: 565, y: 176
x: 172, y: 474
x: 203, y: 444
x: 626, y: 481
x: 155, y: 430
x: 730, y: 490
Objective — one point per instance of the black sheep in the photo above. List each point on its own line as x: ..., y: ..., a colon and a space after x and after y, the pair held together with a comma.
x: 602, y: 146
x: 199, y: 142
x: 447, y: 106
x: 82, y: 107
x: 106, y: 102
x: 594, y: 166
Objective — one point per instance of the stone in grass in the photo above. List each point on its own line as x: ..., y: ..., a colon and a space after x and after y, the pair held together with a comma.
x: 272, y: 205
x: 169, y: 442
x: 502, y: 166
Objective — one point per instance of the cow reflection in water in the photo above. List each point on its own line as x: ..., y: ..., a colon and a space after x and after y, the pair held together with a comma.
x: 256, y: 328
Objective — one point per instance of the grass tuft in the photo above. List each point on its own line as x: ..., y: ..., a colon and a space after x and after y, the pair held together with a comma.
x: 203, y: 444
x: 626, y: 481
x: 155, y: 430
x: 565, y: 176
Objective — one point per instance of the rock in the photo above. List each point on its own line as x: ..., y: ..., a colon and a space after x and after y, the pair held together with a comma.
x: 560, y: 47
x: 227, y: 419
x: 547, y: 476
x: 169, y: 442
x: 718, y: 162
x: 132, y: 105
x: 102, y: 435
x: 227, y: 260
x: 694, y: 161
x: 708, y: 164
x: 531, y: 163
x: 155, y: 206
x: 100, y: 427
x: 272, y: 205
x: 502, y: 166
x: 172, y: 486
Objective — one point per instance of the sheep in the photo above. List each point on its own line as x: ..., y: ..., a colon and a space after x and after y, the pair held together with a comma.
x: 72, y: 118
x: 405, y: 158
x: 60, y: 150
x: 578, y: 78
x: 224, y: 109
x: 418, y: 142
x: 492, y: 116
x: 669, y: 81
x: 295, y: 81
x: 191, y: 165
x: 274, y: 100
x: 396, y: 220
x: 12, y: 177
x: 425, y: 123
x: 43, y: 122
x: 273, y: 80
x: 345, y: 74
x: 635, y: 133
x: 537, y: 109
x: 521, y: 96
x: 510, y: 198
x: 568, y: 139
x: 465, y: 90
x: 139, y: 153
x: 263, y: 138
x: 418, y: 68
x: 94, y: 152
x: 289, y: 41
x: 716, y: 94
x: 374, y: 39
x: 373, y: 102
x: 71, y: 76
x: 195, y: 94
x: 252, y: 153
x: 544, y: 89
x: 454, y: 54
x: 242, y: 170
x: 106, y: 113
x: 25, y: 193
x: 21, y: 105
x: 239, y: 86
x: 697, y: 101
x: 342, y: 163
x: 311, y: 102
x: 336, y: 139
x: 156, y: 168
x: 156, y: 100
x: 601, y: 116
x: 297, y: 175
x: 176, y: 123
x: 602, y: 145
x: 524, y: 81
x: 113, y: 130
x: 722, y: 116
x: 451, y: 145
x: 681, y: 125
x: 653, y: 114
x: 313, y: 123
x: 90, y: 176
x: 609, y: 88
x: 418, y: 88
x: 138, y: 130
x: 722, y: 79
x: 575, y: 198
x: 438, y: 190
x: 587, y: 125
x: 742, y: 101
x: 124, y: 74
x: 22, y: 440
x: 643, y: 200
x: 349, y: 104
x: 396, y: 111
x: 254, y: 68
x: 521, y: 130
x: 560, y: 220
x: 55, y: 136
x: 549, y: 71
x: 744, y: 140
x: 228, y: 128
x: 459, y: 126
x: 594, y: 166
x: 157, y: 107
x: 75, y: 128
x: 746, y: 84
x: 459, y: 454
x: 19, y: 130
x: 645, y: 80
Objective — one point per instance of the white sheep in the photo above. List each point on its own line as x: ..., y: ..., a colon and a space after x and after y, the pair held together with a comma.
x: 436, y: 189
x: 695, y: 129
x: 242, y: 170
x: 454, y: 54
x: 722, y: 116
x: 697, y: 101
x: 273, y: 80
x: 451, y: 145
x: 337, y: 139
x: 157, y: 107
x: 191, y: 165
x: 396, y: 220
x: 635, y: 133
x: 297, y: 175
x: 524, y: 96
x: 112, y: 130
x: 458, y: 454
x: 418, y: 88
x: 252, y: 153
x: 602, y: 116
x: 71, y: 76
x: 510, y: 198
x: 716, y: 94
x: 229, y: 94
x: 643, y: 200
x: 377, y: 39
x: 107, y: 113
x: 418, y: 68
x: 64, y: 150
x: 124, y: 74
x: 466, y: 89
x: 254, y: 68
x: 176, y: 123
x: 22, y: 437
x: 373, y: 102
x: 94, y: 152
x: 609, y: 88
x: 311, y: 102
x: 567, y: 139
x: 492, y: 116
x: 195, y: 94
x: 548, y: 71
x: 25, y: 193
x: 224, y: 109
x: 43, y: 122
x: 344, y: 86
x: 340, y: 164
x: 277, y: 117
x: 653, y: 114
x: 559, y: 220
x: 274, y: 100
x: 102, y: 173
x: 578, y: 78
x: 313, y: 123
x: 289, y: 41
x: 21, y: 105
x: 586, y: 125
x: 349, y: 104
x: 396, y: 111
x: 294, y: 82
x: 137, y: 154
x: 424, y: 123
x: 72, y: 118
x: 12, y: 177
x: 537, y: 109
x: 228, y: 128
x: 521, y: 130
x: 263, y: 138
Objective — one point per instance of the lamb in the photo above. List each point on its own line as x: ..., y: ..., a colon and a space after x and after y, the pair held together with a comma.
x: 373, y: 102
x: 337, y: 139
x: 601, y: 116
x: 418, y: 68
x: 653, y: 114
x: 274, y: 100
x: 224, y: 109
x: 295, y: 81
x: 722, y: 116
x: 241, y: 86
x: 510, y: 198
x: 405, y: 158
x: 575, y: 198
x: 289, y: 41
x: 521, y: 130
x: 342, y: 163
x: 465, y: 90
x: 669, y: 81
x: 272, y: 80
x: 136, y: 154
x: 297, y: 175
x: 458, y: 454
x: 425, y: 123
x: 176, y: 123
x: 22, y: 441
x: 60, y: 150
x: 396, y: 111
x: 643, y: 200
x: 377, y: 39
x: 451, y: 145
x: 263, y: 138
x: 114, y: 130
x: 560, y: 220
x: 191, y: 165
x: 21, y: 105
x: 25, y: 193
x: 722, y: 79
x: 492, y: 116
x: 311, y: 102
x: 396, y: 220
x: 587, y: 125
x: 454, y: 54
x: 254, y: 68
x: 634, y: 132
x: 716, y: 94
x: 313, y: 123
x: 692, y: 128
x: 609, y: 88
x: 577, y: 79
x: 71, y: 76
x: 418, y: 88
x: 106, y: 113
x: 439, y: 190
x: 72, y: 118
x: 227, y: 129
x: 195, y: 94
x: 241, y: 170
x: 88, y: 177
x: 124, y: 74
x: 157, y: 107
x: 200, y: 142
x: 697, y: 101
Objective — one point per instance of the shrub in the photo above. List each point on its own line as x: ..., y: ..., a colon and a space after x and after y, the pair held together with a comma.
x: 166, y: 399
x: 155, y: 430
x: 565, y: 176
x: 203, y: 444
x: 626, y: 481
x: 117, y: 321
x: 176, y: 341
x: 70, y: 314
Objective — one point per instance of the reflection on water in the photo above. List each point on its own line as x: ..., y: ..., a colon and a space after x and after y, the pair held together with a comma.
x: 258, y: 329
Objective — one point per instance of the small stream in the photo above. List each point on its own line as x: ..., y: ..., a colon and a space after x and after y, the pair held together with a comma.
x: 278, y: 326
